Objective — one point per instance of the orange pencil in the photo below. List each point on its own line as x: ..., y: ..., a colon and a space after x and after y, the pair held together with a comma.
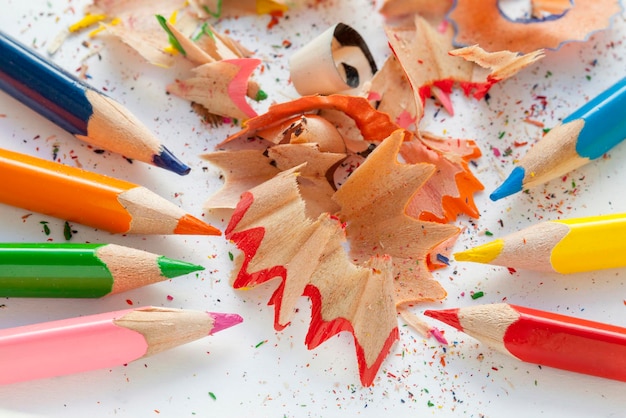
x: 91, y: 199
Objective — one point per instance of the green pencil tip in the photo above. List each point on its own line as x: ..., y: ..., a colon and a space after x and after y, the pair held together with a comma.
x: 174, y: 268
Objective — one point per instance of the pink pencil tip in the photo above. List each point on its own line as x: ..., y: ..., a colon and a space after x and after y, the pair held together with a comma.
x: 222, y: 321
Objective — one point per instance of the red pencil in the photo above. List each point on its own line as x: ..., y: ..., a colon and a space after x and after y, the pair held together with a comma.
x: 545, y: 338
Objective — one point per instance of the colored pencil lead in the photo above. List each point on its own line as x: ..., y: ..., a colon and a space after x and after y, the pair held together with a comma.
x: 71, y: 270
x: 544, y: 338
x: 92, y: 199
x: 78, y: 108
x: 562, y: 246
x: 171, y: 268
x: 101, y: 341
x: 585, y: 135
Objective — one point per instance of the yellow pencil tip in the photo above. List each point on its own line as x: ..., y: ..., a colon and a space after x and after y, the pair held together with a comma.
x: 482, y: 254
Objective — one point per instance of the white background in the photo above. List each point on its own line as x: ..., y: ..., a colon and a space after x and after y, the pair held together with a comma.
x: 281, y: 377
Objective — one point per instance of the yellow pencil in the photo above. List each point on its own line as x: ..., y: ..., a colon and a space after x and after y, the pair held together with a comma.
x: 562, y: 246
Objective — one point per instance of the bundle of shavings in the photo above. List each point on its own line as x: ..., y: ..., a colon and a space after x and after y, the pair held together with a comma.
x: 326, y: 176
x: 542, y: 24
x: 297, y: 211
x: 220, y: 83
x: 425, y: 63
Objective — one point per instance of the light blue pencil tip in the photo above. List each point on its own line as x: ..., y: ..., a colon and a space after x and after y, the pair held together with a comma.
x: 511, y: 185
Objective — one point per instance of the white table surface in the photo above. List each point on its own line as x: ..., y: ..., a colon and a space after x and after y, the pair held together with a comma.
x: 281, y: 377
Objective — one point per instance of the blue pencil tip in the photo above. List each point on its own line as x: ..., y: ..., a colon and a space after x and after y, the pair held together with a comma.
x: 511, y: 185
x: 168, y: 161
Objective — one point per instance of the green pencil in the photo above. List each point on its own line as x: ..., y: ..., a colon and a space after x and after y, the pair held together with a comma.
x: 81, y: 270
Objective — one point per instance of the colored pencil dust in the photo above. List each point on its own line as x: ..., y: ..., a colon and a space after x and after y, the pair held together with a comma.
x: 79, y: 109
x: 544, y: 338
x: 562, y: 246
x: 583, y: 136
x: 91, y: 199
x: 101, y: 341
x: 81, y: 270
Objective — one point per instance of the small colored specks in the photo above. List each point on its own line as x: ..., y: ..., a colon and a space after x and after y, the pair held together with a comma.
x: 55, y: 151
x: 230, y: 256
x: 438, y: 335
x: 443, y: 259
x: 129, y: 302
x: 478, y: 295
x: 67, y: 231
x: 534, y: 122
x: 260, y: 95
x: 501, y: 134
x: 488, y: 233
x: 46, y: 228
x: 430, y: 404
x: 170, y: 298
x: 260, y: 344
x: 212, y: 396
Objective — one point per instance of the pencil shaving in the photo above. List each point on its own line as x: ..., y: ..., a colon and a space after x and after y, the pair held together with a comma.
x: 426, y: 60
x: 377, y: 208
x: 216, y: 89
x: 221, y: 87
x: 552, y: 24
x: 313, y: 262
x: 395, y: 9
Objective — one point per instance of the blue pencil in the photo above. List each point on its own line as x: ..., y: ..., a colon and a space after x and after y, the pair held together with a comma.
x: 583, y: 136
x: 78, y: 108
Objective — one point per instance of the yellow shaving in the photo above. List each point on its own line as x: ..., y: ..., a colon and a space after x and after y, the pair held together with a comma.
x: 101, y: 28
x: 86, y: 21
x: 269, y: 6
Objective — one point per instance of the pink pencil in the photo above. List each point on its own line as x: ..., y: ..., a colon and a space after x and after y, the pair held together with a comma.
x: 100, y: 341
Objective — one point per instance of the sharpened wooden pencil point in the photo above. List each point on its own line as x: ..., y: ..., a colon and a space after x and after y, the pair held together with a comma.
x: 585, y: 135
x: 100, y: 341
x: 189, y: 225
x: 222, y: 321
x: 76, y: 107
x: 481, y: 254
x: 546, y: 338
x: 68, y: 270
x: 171, y: 268
x: 447, y: 316
x: 563, y: 246
x: 91, y: 199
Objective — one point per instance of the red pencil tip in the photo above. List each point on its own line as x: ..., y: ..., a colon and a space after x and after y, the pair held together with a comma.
x: 447, y: 316
x: 188, y: 225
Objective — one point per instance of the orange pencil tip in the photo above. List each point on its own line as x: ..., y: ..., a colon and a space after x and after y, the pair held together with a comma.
x: 188, y: 225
